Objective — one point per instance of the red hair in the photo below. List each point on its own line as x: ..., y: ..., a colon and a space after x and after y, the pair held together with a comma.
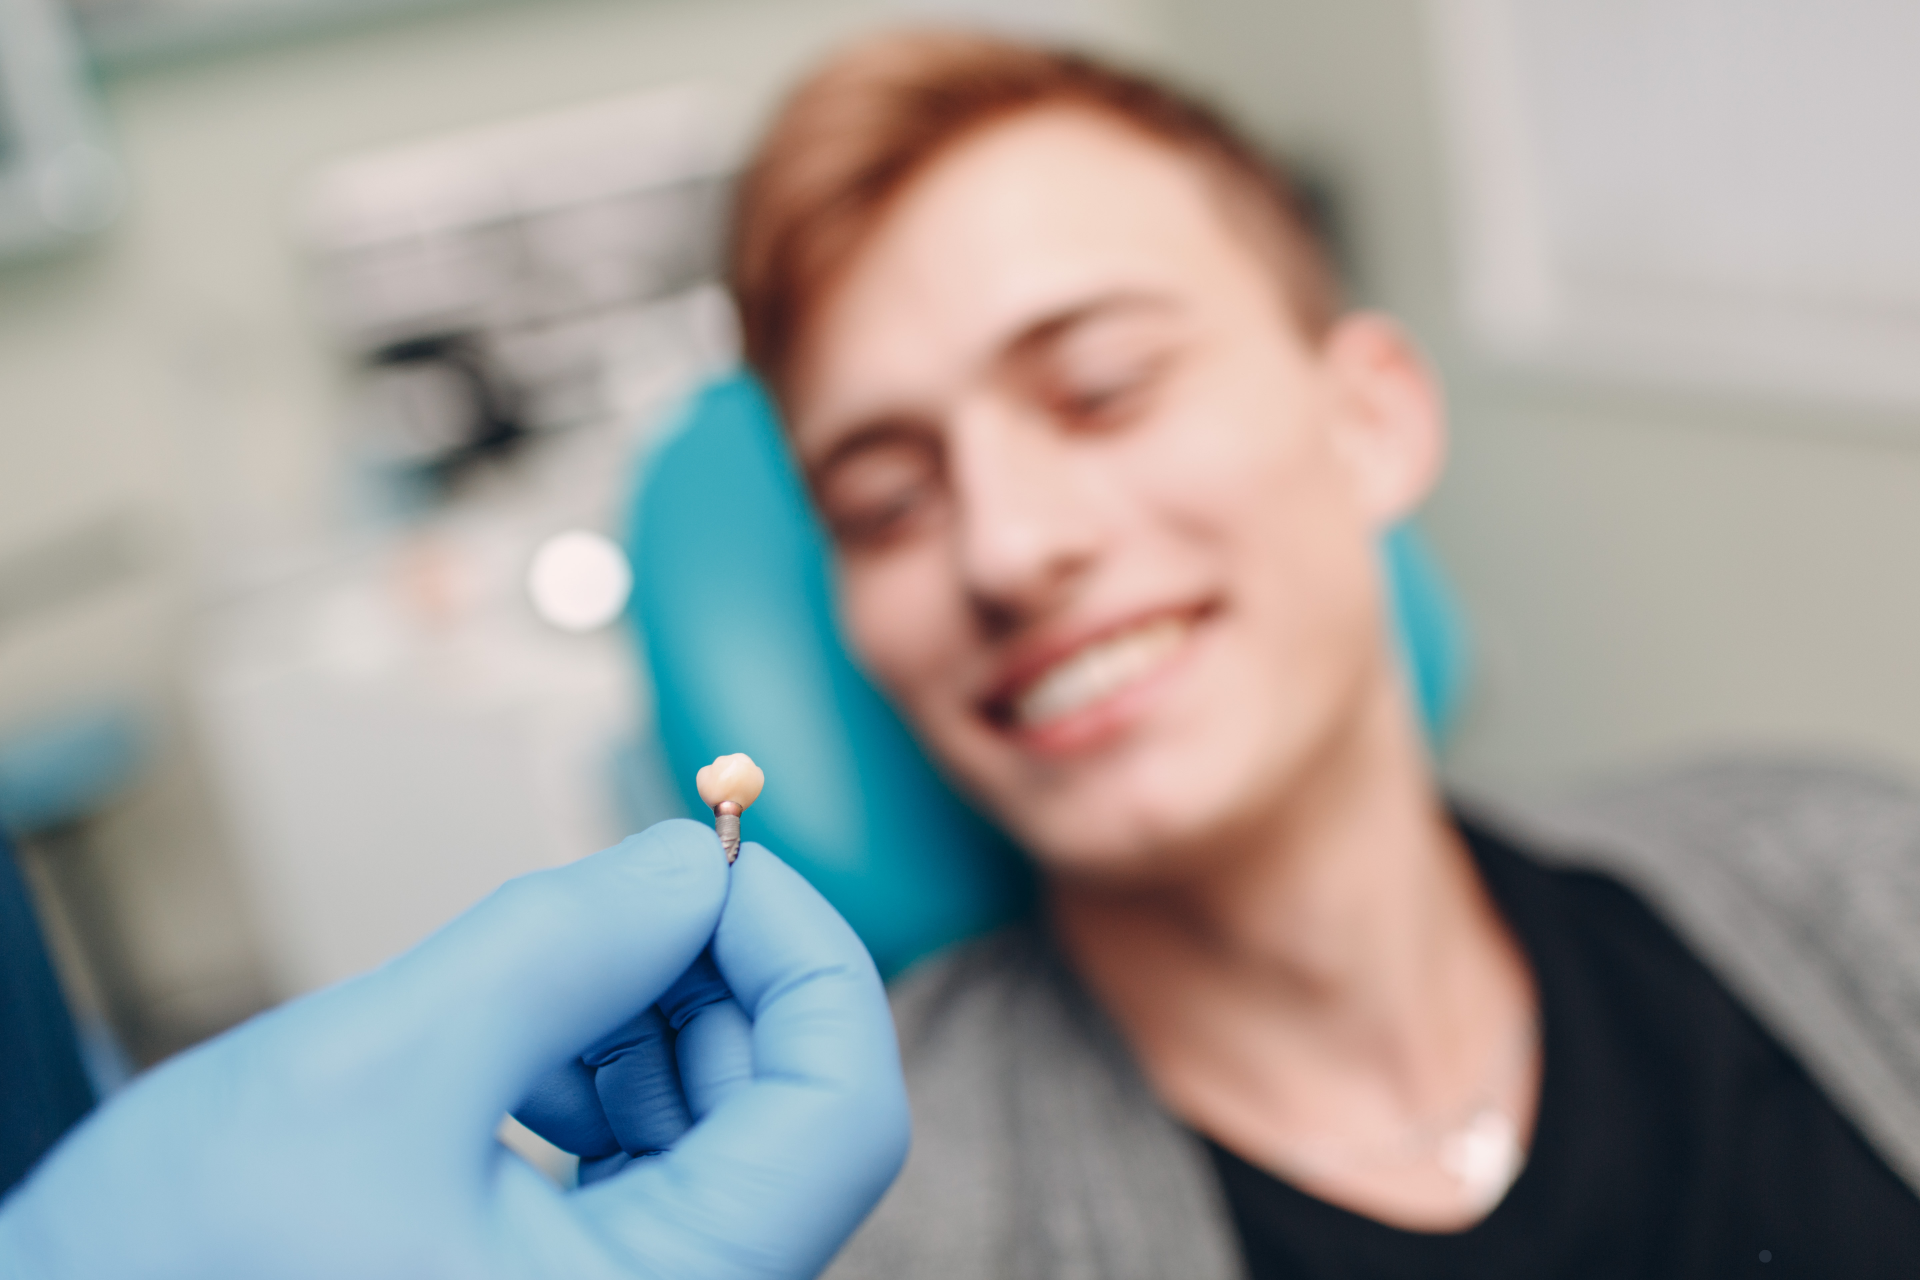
x: 858, y: 130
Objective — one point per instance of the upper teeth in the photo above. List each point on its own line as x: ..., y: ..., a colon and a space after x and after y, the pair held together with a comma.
x: 1098, y: 671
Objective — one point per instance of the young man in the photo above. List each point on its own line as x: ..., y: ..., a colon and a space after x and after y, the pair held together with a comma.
x: 1106, y: 464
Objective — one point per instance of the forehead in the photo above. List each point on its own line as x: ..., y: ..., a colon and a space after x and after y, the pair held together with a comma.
x: 1031, y: 217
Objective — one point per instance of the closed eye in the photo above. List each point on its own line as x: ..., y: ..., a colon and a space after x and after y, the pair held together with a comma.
x: 1098, y: 366
x: 1110, y: 398
x: 879, y: 488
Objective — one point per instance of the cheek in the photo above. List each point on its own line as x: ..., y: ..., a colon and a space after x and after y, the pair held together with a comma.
x: 1243, y: 466
x: 902, y: 619
x: 1299, y: 549
x: 1257, y: 488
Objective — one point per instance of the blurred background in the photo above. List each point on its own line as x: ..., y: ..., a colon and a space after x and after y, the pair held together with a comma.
x: 332, y: 333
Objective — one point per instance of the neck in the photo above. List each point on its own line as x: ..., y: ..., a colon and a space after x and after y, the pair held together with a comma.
x: 1338, y: 973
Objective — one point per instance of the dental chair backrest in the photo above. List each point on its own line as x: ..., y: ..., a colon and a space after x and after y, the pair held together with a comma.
x: 732, y: 607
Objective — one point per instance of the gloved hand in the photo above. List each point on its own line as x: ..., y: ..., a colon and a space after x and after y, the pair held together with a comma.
x: 351, y: 1133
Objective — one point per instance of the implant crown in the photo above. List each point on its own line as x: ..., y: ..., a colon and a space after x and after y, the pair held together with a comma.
x: 734, y: 778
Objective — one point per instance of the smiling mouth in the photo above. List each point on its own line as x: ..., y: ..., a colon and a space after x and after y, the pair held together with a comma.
x: 1095, y: 673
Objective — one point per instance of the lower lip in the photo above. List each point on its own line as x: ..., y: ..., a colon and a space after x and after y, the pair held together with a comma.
x: 1111, y: 718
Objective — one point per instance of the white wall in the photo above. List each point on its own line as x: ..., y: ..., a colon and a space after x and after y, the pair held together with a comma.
x: 1651, y: 573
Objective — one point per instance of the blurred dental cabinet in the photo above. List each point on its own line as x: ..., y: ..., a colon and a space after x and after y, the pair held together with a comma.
x: 447, y: 698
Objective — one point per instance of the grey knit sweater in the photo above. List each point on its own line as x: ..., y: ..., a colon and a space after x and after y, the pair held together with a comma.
x: 1039, y: 1150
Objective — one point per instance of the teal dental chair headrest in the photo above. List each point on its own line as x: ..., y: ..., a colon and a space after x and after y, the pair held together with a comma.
x: 732, y: 606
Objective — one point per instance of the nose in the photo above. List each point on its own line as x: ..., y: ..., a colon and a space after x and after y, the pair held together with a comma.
x: 1029, y: 526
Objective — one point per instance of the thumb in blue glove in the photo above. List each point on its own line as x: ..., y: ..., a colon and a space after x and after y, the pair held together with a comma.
x: 351, y: 1133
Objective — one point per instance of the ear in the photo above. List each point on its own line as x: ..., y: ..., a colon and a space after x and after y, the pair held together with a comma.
x: 1389, y: 426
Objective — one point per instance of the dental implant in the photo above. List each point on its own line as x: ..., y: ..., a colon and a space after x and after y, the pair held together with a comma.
x: 729, y: 786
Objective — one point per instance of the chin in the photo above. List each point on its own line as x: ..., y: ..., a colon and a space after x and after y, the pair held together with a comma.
x: 1149, y: 819
x: 1122, y: 850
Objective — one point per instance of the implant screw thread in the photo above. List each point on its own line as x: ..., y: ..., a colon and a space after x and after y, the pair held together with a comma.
x: 726, y: 824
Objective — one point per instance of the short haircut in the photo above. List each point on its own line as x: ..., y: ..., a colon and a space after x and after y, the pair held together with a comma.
x: 856, y: 132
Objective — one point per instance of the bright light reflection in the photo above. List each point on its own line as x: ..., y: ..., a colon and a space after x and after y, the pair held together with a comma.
x: 579, y: 580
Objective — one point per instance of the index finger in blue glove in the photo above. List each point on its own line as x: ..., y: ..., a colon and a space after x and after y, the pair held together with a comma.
x: 782, y: 1169
x: 624, y: 1091
x: 713, y: 1039
x: 564, y: 1108
x: 641, y: 1088
x: 638, y: 1084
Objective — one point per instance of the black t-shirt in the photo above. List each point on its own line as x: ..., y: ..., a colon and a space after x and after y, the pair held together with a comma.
x: 1675, y: 1137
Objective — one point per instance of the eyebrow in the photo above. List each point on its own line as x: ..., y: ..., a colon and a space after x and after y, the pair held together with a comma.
x: 1050, y: 329
x: 895, y: 426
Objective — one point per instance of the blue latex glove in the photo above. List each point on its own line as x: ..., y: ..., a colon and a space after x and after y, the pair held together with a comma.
x: 351, y: 1133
